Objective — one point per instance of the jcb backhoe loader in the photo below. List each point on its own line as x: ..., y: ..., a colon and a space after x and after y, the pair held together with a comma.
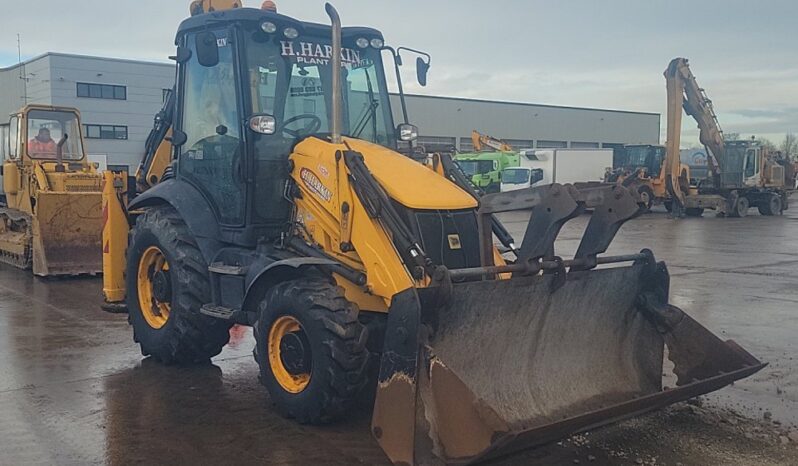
x: 290, y: 207
x: 642, y: 168
x: 51, y: 217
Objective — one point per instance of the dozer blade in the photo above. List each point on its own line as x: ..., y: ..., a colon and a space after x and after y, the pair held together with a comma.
x: 67, y: 232
x: 504, y: 365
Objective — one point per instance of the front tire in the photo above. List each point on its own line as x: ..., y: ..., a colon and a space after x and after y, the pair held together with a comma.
x: 311, y: 350
x: 647, y: 196
x: 740, y: 207
x: 167, y: 282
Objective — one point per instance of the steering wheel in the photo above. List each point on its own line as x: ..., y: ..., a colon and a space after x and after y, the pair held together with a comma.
x: 310, y: 127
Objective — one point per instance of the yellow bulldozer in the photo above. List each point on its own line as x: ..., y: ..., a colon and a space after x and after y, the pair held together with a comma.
x: 50, y: 203
x: 293, y: 204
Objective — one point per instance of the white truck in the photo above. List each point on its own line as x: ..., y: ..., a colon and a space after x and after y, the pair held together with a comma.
x: 546, y: 166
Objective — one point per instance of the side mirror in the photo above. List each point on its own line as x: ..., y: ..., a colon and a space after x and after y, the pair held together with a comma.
x: 262, y: 123
x: 421, y: 70
x: 207, y: 49
x: 407, y: 132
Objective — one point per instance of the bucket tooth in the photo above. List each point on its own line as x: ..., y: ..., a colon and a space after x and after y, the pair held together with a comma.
x: 612, y: 207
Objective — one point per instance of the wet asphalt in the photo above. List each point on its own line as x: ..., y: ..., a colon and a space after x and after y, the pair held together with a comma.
x: 74, y: 388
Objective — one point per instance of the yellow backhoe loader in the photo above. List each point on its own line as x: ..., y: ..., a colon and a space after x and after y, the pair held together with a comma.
x: 290, y: 206
x: 50, y: 215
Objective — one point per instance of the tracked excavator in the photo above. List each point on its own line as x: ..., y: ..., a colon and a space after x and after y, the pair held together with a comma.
x: 290, y: 206
x: 50, y: 215
x: 742, y: 174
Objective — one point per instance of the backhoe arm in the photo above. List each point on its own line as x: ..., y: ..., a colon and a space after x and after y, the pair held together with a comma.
x: 157, y: 148
x: 480, y: 140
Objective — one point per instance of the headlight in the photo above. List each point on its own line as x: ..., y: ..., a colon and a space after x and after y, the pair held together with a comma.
x: 268, y: 27
x: 362, y: 42
x: 290, y: 33
x: 377, y: 43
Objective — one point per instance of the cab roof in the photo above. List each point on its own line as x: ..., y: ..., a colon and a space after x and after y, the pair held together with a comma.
x: 257, y: 16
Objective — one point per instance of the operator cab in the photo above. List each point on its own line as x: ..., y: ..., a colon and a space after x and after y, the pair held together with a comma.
x: 251, y: 85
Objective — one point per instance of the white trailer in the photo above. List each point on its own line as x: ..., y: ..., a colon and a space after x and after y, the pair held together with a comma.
x: 546, y: 166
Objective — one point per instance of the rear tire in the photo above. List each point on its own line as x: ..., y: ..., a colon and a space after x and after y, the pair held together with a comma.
x: 772, y: 206
x: 311, y: 350
x: 694, y: 211
x: 740, y: 207
x: 165, y: 266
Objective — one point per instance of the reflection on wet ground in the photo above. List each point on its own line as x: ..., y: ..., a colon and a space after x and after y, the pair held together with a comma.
x: 75, y: 390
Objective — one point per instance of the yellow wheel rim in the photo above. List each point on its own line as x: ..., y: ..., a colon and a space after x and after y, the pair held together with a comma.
x: 154, y: 310
x: 292, y: 383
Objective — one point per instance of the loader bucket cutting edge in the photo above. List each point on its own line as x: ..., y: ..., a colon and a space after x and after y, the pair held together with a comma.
x: 511, y: 364
x: 67, y: 232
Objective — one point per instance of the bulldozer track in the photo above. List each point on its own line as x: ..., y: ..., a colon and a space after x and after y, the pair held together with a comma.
x: 16, y: 221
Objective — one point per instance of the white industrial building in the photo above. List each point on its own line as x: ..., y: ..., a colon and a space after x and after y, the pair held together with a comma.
x: 118, y: 98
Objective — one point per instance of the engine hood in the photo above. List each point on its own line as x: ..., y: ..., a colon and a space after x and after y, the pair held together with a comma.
x: 410, y: 183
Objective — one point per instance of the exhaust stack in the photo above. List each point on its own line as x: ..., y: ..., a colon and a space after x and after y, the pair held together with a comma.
x: 336, y: 73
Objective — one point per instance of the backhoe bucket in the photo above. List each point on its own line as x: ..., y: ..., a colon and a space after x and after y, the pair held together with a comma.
x: 480, y: 369
x: 67, y: 232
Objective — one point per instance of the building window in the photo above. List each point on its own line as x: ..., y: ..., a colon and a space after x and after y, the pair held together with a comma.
x: 105, y: 131
x: 552, y: 144
x: 437, y: 143
x: 102, y: 91
x: 584, y: 145
x: 518, y: 144
x: 466, y: 144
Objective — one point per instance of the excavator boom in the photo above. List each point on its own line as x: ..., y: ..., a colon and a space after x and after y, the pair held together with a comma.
x: 684, y: 92
x: 481, y: 141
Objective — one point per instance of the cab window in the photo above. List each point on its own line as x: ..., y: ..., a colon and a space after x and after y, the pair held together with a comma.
x: 46, y: 128
x: 13, y: 137
x: 211, y: 157
x: 750, y: 163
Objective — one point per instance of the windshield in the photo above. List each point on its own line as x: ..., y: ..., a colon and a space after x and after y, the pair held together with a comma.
x: 475, y: 167
x: 45, y: 130
x: 644, y: 156
x: 515, y: 175
x: 291, y: 80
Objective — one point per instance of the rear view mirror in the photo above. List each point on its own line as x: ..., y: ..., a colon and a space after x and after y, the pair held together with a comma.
x: 421, y: 70
x: 263, y: 124
x: 207, y: 49
x: 407, y: 132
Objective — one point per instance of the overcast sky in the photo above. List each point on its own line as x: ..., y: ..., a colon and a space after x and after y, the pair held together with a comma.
x: 606, y: 54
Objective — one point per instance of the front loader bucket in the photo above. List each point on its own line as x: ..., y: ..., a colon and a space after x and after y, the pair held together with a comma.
x: 503, y: 365
x: 67, y: 232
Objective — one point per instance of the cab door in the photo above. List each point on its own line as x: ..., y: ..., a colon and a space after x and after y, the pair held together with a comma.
x: 751, y: 167
x: 4, y: 147
x: 211, y: 157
